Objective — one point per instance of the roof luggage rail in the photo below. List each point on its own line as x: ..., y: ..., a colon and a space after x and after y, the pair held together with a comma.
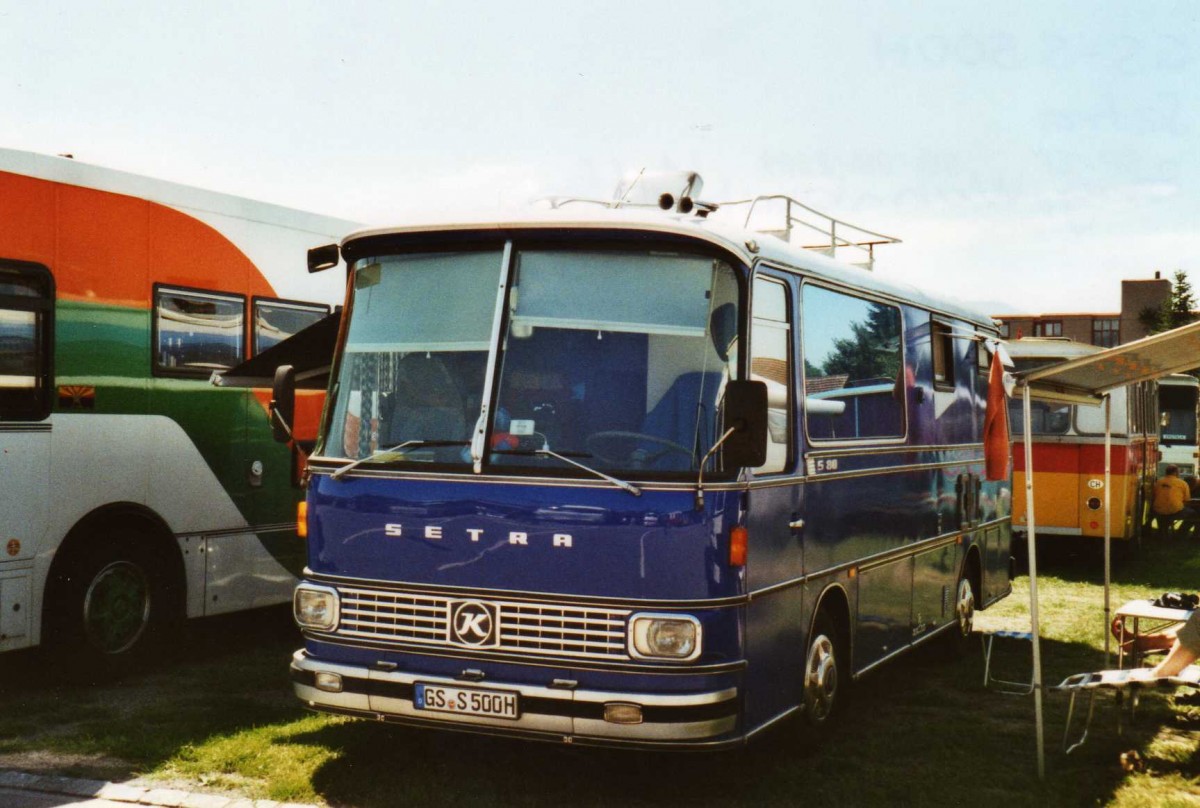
x: 800, y: 218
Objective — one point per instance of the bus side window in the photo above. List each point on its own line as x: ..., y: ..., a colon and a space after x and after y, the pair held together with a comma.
x: 943, y: 356
x: 26, y: 322
x: 770, y: 340
x: 197, y: 332
x: 854, y: 375
x: 276, y: 320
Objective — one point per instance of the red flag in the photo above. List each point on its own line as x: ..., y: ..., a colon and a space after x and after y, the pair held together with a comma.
x: 995, y: 424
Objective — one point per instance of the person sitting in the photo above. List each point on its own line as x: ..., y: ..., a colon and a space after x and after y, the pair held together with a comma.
x: 1170, y: 499
x: 1184, y: 649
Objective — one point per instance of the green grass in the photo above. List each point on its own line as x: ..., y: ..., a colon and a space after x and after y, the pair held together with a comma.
x: 919, y: 731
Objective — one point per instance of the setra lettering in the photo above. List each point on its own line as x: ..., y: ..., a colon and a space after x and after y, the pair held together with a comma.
x: 517, y: 538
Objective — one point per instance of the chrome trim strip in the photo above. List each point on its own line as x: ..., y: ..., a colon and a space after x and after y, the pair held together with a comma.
x: 643, y: 669
x: 556, y: 598
x: 890, y: 556
x: 496, y: 479
x: 770, y: 722
x: 882, y: 470
x: 657, y: 699
x: 25, y: 427
x: 279, y: 527
x: 662, y: 731
x: 890, y: 449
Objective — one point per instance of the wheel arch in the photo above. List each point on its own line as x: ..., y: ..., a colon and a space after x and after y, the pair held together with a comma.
x: 145, y: 527
x: 836, y: 600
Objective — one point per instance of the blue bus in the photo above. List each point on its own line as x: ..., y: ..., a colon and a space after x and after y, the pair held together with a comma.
x: 634, y: 477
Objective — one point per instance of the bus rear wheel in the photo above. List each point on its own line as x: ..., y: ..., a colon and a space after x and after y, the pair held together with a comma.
x: 109, y: 605
x: 965, y: 603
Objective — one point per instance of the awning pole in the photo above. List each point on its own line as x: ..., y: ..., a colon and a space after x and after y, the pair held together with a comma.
x: 1107, y: 525
x: 1031, y: 537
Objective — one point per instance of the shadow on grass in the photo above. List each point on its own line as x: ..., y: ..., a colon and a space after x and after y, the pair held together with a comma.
x: 214, y: 677
x: 1157, y: 565
x: 920, y: 731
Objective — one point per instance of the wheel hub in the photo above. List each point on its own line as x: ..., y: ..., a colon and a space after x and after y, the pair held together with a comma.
x: 821, y: 678
x: 116, y: 607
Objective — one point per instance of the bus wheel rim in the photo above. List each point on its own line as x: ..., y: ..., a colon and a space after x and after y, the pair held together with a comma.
x: 965, y: 607
x: 116, y: 607
x: 820, y: 678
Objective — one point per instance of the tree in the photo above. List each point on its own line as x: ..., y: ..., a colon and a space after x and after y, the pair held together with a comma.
x: 1176, y: 310
x: 873, y: 350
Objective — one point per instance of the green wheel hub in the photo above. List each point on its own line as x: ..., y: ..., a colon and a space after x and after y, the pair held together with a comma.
x: 116, y: 607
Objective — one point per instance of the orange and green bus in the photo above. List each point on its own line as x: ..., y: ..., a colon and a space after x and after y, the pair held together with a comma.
x: 135, y: 492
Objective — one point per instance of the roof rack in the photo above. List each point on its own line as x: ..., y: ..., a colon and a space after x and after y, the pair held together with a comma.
x: 800, y: 218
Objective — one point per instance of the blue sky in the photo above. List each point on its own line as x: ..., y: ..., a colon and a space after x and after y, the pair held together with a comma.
x: 1030, y: 155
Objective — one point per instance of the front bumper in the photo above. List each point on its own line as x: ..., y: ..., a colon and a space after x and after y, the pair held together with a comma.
x: 547, y: 713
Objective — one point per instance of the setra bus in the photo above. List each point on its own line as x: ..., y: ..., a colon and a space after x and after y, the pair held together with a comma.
x: 621, y: 476
x: 1178, y: 400
x: 134, y: 491
x: 1068, y: 452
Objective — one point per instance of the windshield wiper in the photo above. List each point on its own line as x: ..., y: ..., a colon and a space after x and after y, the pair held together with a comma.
x: 633, y: 489
x: 337, y: 475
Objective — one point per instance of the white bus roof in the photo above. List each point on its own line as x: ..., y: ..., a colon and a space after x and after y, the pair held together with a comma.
x: 747, y: 245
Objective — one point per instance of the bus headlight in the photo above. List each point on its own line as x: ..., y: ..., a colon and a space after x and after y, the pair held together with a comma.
x: 315, y: 607
x: 664, y: 636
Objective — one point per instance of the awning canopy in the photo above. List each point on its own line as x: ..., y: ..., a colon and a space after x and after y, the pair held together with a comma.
x: 1085, y: 379
x: 309, y: 351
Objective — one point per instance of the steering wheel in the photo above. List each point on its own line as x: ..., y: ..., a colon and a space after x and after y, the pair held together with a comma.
x: 630, y: 443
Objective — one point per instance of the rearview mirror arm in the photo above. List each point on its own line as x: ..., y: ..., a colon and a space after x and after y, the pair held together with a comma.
x: 704, y: 462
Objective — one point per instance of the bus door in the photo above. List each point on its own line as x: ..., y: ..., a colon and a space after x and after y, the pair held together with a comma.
x: 857, y: 507
x: 26, y: 353
x: 775, y: 521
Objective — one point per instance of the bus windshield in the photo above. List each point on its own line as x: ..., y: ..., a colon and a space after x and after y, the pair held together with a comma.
x: 1178, y: 406
x: 612, y: 359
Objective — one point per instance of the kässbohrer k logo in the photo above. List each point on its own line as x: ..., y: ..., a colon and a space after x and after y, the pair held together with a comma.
x: 473, y: 623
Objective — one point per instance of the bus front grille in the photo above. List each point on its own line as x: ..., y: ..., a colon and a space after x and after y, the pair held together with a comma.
x: 544, y: 629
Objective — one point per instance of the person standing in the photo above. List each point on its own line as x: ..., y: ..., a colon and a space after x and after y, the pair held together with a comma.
x: 1171, y: 494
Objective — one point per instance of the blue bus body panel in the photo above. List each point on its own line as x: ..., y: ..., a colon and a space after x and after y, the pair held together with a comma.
x: 572, y: 541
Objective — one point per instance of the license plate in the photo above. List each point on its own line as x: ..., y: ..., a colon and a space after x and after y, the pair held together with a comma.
x: 466, y: 701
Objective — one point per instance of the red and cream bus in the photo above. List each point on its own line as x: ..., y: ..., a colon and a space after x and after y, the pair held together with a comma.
x: 1068, y: 453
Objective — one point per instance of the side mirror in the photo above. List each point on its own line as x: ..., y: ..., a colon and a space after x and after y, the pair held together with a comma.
x: 746, y: 412
x: 283, y: 403
x: 323, y: 258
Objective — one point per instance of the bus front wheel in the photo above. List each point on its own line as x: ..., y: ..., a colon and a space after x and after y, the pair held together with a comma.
x: 825, y: 675
x: 109, y: 604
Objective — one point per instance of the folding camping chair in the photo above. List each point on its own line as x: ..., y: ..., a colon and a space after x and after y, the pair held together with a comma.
x: 1119, y: 682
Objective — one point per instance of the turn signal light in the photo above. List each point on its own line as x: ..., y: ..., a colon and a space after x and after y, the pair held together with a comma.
x: 739, y: 538
x: 302, y: 519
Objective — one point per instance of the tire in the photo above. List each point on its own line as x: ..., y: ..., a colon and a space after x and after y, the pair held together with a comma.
x: 965, y: 600
x: 826, y: 679
x: 109, y: 606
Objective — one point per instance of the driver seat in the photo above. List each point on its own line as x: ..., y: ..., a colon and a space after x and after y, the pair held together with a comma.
x: 674, y: 418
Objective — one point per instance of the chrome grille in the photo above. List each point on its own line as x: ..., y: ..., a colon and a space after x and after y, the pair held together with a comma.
x: 533, y: 628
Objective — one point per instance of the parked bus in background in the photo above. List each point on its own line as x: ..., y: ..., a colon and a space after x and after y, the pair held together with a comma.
x: 618, y: 476
x: 1068, y: 453
x: 134, y: 491
x: 1178, y: 398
